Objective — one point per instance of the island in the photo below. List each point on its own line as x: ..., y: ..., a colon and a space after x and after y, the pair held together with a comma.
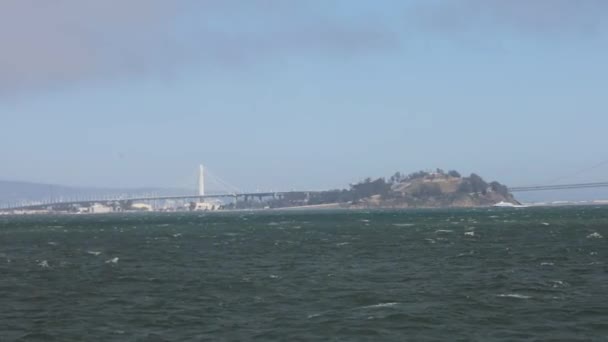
x: 422, y: 189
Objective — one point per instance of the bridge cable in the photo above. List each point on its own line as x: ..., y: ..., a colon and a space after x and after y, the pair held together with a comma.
x: 579, y: 172
x: 222, y: 183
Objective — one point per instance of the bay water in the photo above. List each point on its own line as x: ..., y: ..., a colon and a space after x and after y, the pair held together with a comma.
x: 494, y: 274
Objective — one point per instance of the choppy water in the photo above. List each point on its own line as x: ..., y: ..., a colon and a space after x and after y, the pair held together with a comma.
x: 486, y: 275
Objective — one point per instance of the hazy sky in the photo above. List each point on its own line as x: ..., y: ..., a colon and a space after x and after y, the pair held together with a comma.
x: 280, y: 94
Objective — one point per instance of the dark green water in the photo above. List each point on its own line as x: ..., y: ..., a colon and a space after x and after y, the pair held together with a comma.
x: 459, y: 275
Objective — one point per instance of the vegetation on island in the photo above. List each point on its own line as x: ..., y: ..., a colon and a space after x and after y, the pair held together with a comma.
x: 417, y: 190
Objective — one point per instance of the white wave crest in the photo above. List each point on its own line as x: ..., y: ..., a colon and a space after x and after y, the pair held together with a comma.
x: 513, y: 295
x: 595, y: 235
x: 112, y: 261
x: 380, y: 305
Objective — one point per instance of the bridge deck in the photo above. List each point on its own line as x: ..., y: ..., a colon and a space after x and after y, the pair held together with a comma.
x: 559, y: 187
x: 154, y: 198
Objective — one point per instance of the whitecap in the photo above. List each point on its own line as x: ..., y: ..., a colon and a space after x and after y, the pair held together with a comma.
x: 444, y: 231
x: 465, y: 254
x: 513, y: 295
x: 595, y: 235
x: 112, y: 261
x: 380, y: 305
x: 44, y: 264
x: 314, y: 315
x: 273, y: 276
x: 545, y: 223
x: 364, y: 221
x: 342, y: 243
x: 95, y: 253
x: 403, y: 224
x: 469, y: 233
x: 430, y: 240
x: 176, y: 235
x: 546, y: 264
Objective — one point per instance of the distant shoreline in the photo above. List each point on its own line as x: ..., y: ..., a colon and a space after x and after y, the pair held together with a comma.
x: 329, y: 206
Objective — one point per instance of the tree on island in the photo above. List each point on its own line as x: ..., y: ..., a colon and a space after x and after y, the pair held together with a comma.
x: 478, y: 184
x: 499, y: 188
x: 454, y: 173
x: 427, y: 190
x: 370, y: 188
x: 396, y: 178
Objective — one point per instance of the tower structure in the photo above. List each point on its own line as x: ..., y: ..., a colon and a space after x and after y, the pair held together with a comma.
x: 201, y: 181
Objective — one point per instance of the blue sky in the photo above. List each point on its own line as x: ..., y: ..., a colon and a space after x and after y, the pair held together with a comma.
x: 305, y: 95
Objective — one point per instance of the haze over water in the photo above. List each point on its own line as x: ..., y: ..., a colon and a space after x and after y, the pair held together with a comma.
x: 419, y: 275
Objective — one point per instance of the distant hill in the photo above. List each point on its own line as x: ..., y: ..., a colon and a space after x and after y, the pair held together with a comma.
x: 440, y: 189
x: 421, y: 189
x: 25, y: 192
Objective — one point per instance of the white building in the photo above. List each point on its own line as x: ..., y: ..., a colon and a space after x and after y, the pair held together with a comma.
x: 205, y: 206
x: 99, y: 209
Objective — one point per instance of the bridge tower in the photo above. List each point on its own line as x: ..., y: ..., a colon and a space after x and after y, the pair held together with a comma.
x: 201, y: 180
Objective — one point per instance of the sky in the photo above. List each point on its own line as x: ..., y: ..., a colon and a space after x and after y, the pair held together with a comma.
x: 285, y: 94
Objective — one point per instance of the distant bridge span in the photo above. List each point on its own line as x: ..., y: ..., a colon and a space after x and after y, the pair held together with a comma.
x: 260, y: 195
x: 236, y: 196
x: 558, y: 187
